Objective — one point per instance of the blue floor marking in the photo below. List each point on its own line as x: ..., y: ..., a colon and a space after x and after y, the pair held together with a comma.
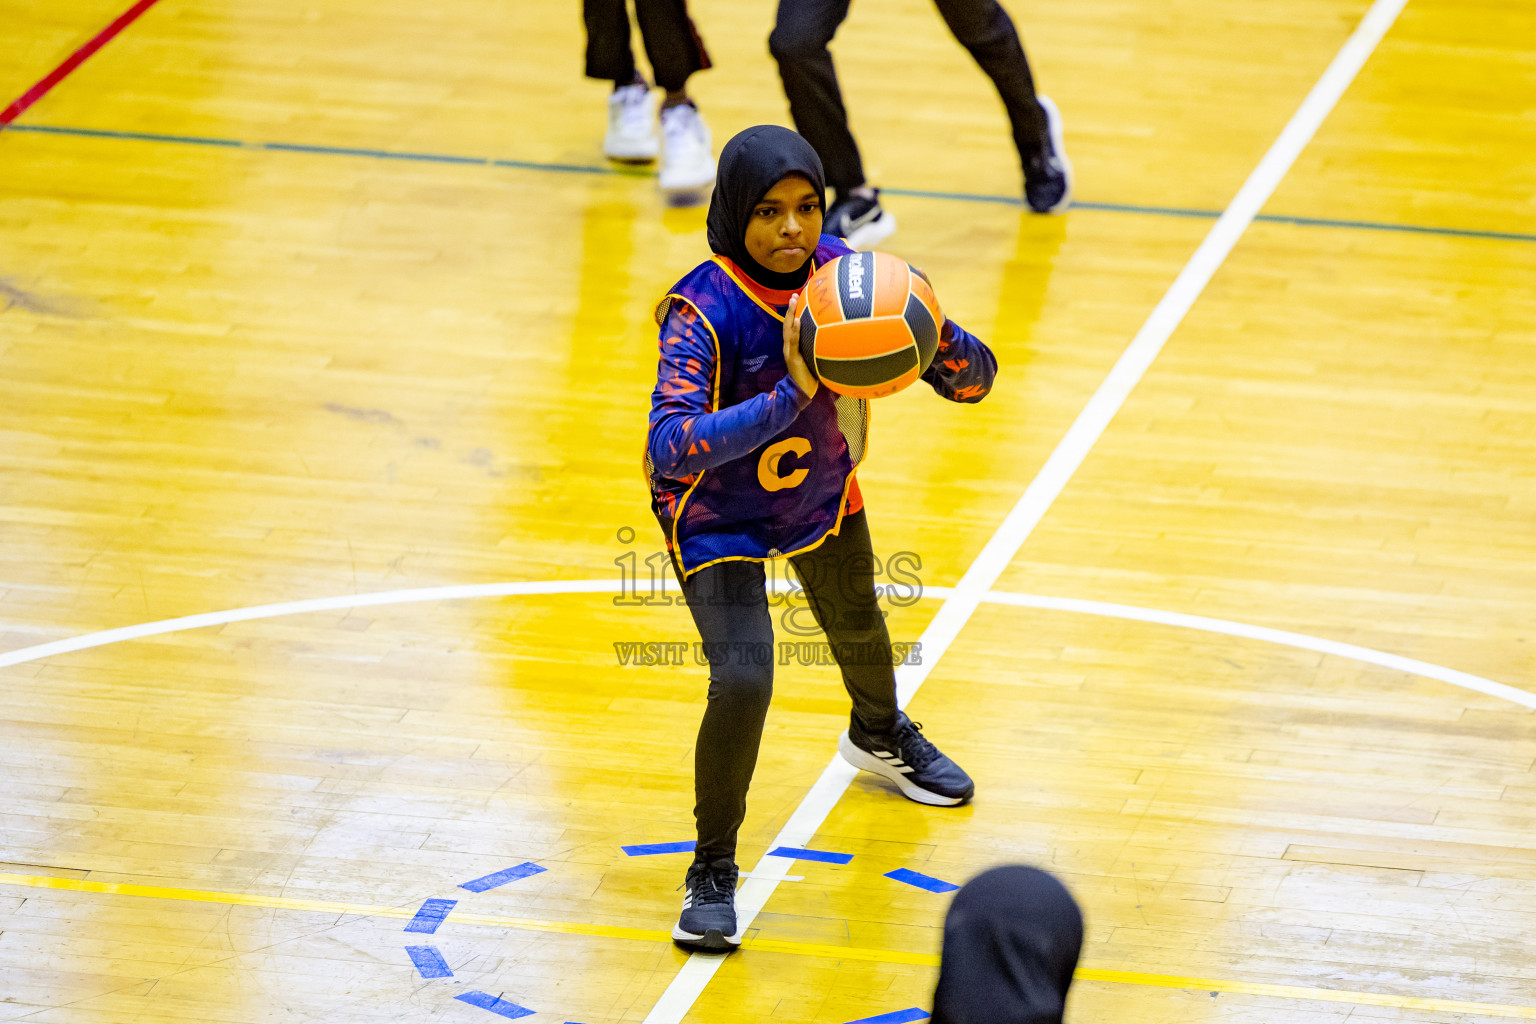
x: 429, y: 962
x: 530, y: 165
x: 495, y: 1004
x: 430, y: 916
x: 982, y: 197
x: 650, y: 849
x: 1415, y: 229
x: 894, y: 1017
x: 502, y: 877
x: 921, y: 881
x: 821, y: 855
x: 377, y: 154
x: 1161, y: 211
x: 534, y: 165
x: 103, y: 133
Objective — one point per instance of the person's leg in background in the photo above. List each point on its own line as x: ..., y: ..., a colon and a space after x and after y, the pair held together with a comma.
x: 801, y: 32
x: 986, y: 31
x: 631, y: 135
x: 673, y: 46
x: 675, y: 50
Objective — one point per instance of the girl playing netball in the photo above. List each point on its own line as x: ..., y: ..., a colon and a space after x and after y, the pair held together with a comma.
x: 750, y: 459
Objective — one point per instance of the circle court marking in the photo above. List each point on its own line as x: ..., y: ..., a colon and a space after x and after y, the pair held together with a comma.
x: 1299, y: 641
x: 1103, y: 609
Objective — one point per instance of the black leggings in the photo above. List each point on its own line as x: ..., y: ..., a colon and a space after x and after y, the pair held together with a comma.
x: 799, y: 43
x: 730, y: 606
x: 672, y: 44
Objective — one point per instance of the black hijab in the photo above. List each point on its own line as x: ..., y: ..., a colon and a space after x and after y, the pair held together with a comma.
x: 1011, y: 942
x: 753, y: 162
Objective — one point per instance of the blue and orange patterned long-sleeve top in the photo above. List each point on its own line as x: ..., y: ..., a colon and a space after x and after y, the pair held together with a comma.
x: 742, y: 463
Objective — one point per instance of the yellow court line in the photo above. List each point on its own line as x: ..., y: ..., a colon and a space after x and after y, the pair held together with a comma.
x: 1325, y: 995
x: 767, y: 945
x: 237, y: 899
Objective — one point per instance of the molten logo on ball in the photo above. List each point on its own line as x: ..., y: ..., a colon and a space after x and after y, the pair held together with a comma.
x: 870, y: 325
x: 856, y: 278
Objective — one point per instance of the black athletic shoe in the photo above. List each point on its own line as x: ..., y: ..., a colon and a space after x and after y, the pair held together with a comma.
x: 905, y: 756
x: 859, y: 220
x: 1048, y: 172
x: 708, y: 921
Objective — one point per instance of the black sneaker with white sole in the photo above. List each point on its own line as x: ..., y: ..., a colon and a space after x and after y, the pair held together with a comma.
x: 906, y: 757
x: 1048, y: 172
x: 708, y: 920
x: 859, y: 220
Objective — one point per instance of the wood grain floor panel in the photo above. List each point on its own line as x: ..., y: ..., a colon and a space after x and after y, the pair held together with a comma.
x: 239, y: 376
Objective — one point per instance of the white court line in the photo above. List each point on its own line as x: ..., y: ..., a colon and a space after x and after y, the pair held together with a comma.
x: 1396, y: 662
x: 1105, y: 609
x: 319, y: 604
x: 1069, y: 454
x: 974, y: 586
x: 786, y: 878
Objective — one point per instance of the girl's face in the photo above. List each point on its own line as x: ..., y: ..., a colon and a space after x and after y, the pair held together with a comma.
x: 785, y: 226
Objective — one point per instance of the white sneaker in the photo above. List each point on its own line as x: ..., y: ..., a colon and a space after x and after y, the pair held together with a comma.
x: 687, y: 160
x: 631, y: 125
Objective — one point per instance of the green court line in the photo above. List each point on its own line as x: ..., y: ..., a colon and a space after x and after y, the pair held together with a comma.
x: 562, y: 168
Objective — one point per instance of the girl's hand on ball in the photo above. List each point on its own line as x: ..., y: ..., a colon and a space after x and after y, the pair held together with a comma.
x: 798, y: 371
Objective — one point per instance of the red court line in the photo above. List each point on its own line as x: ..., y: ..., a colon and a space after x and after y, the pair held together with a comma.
x: 57, y: 75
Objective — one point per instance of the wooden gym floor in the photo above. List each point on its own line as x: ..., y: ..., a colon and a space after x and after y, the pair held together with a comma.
x: 318, y: 299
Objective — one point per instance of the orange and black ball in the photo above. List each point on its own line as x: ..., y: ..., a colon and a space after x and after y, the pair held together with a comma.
x: 870, y: 324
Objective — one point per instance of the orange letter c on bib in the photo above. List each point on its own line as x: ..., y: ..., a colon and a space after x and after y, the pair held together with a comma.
x: 768, y: 465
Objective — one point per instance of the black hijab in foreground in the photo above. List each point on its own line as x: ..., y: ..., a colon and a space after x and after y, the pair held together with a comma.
x: 1011, y: 942
x: 753, y: 162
